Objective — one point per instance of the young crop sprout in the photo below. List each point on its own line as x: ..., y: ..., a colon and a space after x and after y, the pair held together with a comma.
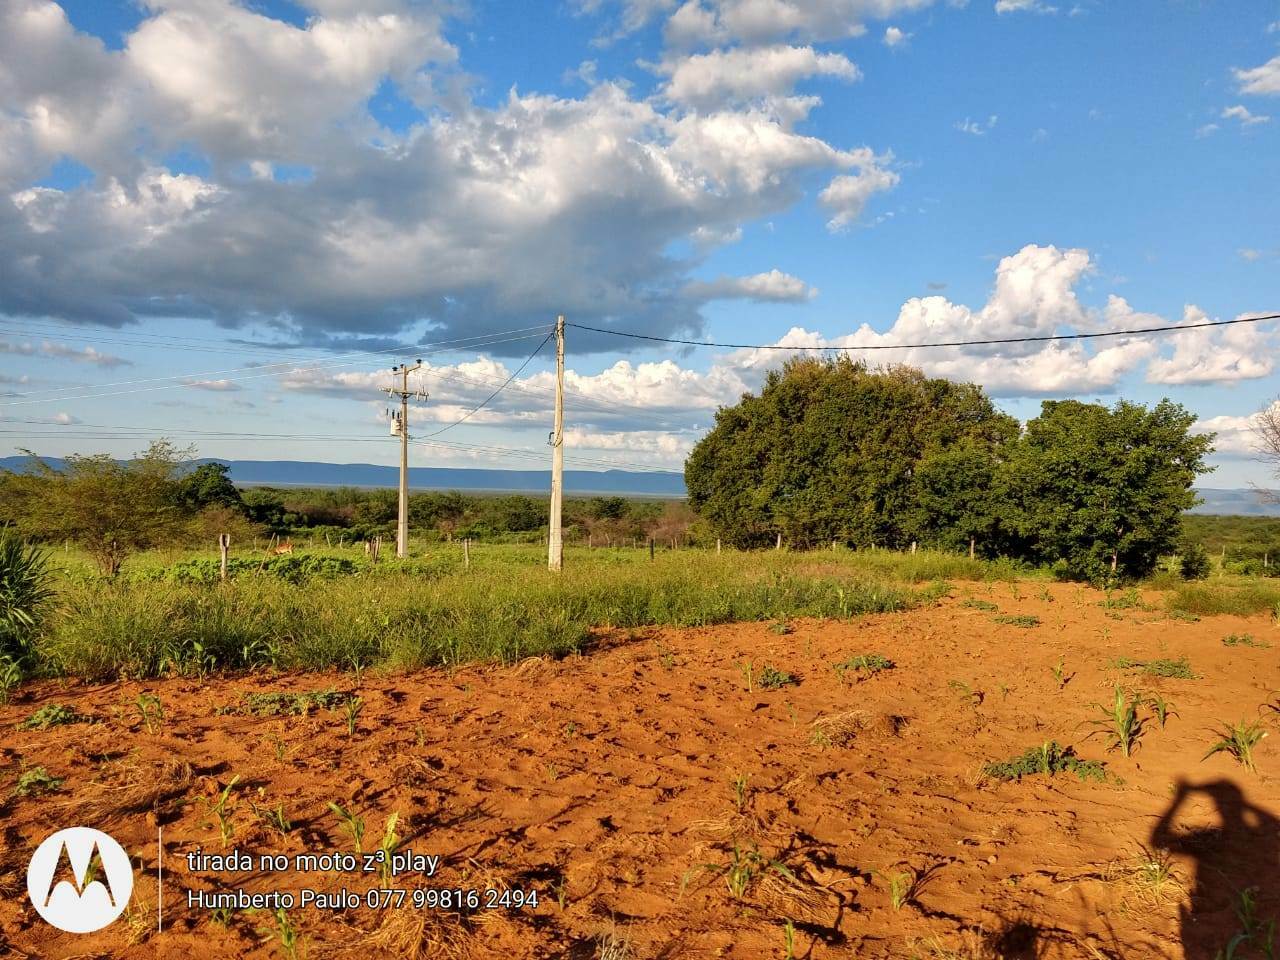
x: 387, y: 846
x: 150, y: 710
x: 353, y: 824
x: 789, y: 939
x: 354, y: 706
x: 740, y: 792
x: 1239, y: 739
x: 1161, y: 708
x: 1059, y: 673
x: 902, y: 885
x: 222, y: 812
x: 1120, y: 723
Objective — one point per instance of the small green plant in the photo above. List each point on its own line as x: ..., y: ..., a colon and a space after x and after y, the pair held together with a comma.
x: 740, y: 792
x: 387, y: 846
x: 284, y: 933
x: 868, y: 664
x: 222, y: 811
x: 1128, y: 600
x: 789, y: 939
x: 1239, y: 739
x: 353, y: 708
x: 742, y: 869
x: 150, y: 711
x: 974, y: 603
x: 1060, y: 677
x: 1253, y: 933
x: 966, y: 693
x: 1024, y: 620
x: 52, y: 715
x: 1153, y: 875
x: 35, y: 781
x: 902, y: 886
x: 10, y: 678
x: 275, y: 818
x: 278, y: 703
x: 1120, y: 723
x: 1244, y: 640
x: 771, y: 678
x: 1048, y: 759
x: 781, y: 628
x: 26, y: 586
x: 748, y: 671
x: 352, y: 824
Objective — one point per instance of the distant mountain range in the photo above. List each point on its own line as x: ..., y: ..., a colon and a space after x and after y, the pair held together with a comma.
x: 302, y: 473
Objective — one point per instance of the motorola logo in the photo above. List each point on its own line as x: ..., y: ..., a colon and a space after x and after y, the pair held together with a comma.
x: 79, y: 879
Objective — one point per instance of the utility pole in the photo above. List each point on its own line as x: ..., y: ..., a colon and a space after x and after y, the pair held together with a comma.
x: 400, y: 425
x: 555, y: 539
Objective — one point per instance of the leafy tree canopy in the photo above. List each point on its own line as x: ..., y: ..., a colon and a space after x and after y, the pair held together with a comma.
x: 209, y: 485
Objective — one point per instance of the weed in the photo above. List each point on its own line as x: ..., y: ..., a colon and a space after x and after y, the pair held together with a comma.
x: 353, y: 708
x: 150, y: 711
x: 52, y: 715
x: 278, y: 747
x: 10, y: 678
x: 1239, y: 739
x: 1152, y: 874
x: 771, y: 678
x: 1024, y: 620
x: 1120, y: 723
x: 902, y: 886
x: 37, y: 780
x: 864, y: 663
x: 781, y: 628
x: 1060, y: 677
x: 1049, y: 759
x: 279, y: 703
x: 1128, y: 600
x: 351, y: 823
x: 966, y: 693
x: 666, y: 658
x: 974, y: 603
x: 1244, y: 640
x: 222, y: 813
x: 1179, y: 669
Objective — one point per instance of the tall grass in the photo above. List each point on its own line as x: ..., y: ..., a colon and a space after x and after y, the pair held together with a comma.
x: 395, y: 620
x: 1240, y: 598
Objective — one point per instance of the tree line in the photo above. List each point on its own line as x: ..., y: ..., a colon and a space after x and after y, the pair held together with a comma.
x: 831, y: 450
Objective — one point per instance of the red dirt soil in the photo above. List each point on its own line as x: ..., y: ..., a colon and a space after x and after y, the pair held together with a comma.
x: 606, y: 783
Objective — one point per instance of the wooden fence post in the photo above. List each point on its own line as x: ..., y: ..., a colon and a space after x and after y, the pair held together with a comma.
x: 778, y: 545
x: 973, y: 541
x: 717, y: 545
x: 651, y: 548
x: 224, y: 542
x: 466, y: 554
x: 913, y: 546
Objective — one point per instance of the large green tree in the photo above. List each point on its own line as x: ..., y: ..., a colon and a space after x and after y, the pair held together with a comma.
x: 209, y: 485
x: 111, y: 508
x: 1094, y: 490
x: 832, y: 450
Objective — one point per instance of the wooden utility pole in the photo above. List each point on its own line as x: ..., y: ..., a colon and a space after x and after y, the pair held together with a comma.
x: 400, y: 425
x: 555, y: 541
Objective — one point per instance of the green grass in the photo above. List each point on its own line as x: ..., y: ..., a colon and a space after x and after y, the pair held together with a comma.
x: 973, y: 603
x: 1048, y: 759
x: 277, y: 703
x: 865, y: 663
x: 1244, y: 640
x: 505, y: 608
x: 1179, y: 669
x: 1240, y: 598
x: 1024, y: 620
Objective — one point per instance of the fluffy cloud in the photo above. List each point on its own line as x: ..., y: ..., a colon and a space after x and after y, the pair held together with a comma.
x: 772, y: 287
x: 62, y: 351
x: 895, y: 37
x: 387, y: 230
x: 1024, y: 6
x: 714, y: 22
x: 1235, y: 435
x: 1224, y: 354
x: 1242, y: 114
x: 712, y: 79
x: 1261, y: 80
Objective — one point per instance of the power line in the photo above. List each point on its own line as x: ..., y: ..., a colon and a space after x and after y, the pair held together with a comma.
x: 476, y: 409
x: 943, y: 343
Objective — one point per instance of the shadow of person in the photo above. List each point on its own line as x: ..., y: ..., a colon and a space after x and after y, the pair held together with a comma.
x: 1240, y: 851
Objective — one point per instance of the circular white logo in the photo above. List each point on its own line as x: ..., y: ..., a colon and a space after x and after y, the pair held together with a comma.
x: 79, y: 879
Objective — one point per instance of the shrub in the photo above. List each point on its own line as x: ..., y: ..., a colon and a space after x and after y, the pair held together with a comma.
x: 1049, y: 759
x: 25, y: 588
x: 1194, y: 561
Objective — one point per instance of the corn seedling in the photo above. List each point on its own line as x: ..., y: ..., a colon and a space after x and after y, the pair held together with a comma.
x: 276, y: 819
x: 150, y: 711
x: 864, y: 663
x: 1161, y: 708
x: 1060, y: 678
x: 1259, y: 936
x: 387, y: 846
x: 901, y: 888
x: 748, y: 671
x: 1152, y: 875
x: 740, y: 792
x: 1048, y: 759
x: 353, y: 708
x: 740, y: 872
x: 789, y: 939
x: 37, y: 780
x: 52, y: 715
x: 222, y: 813
x: 966, y: 693
x: 1120, y: 724
x: 10, y: 677
x: 285, y: 934
x: 352, y: 824
x: 1239, y: 739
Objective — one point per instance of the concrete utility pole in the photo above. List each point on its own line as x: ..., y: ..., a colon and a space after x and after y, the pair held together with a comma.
x: 400, y: 425
x: 555, y: 539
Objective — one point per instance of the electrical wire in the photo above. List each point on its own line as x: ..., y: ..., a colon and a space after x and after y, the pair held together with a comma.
x: 1141, y: 331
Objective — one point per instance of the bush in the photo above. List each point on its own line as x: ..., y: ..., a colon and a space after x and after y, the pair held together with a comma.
x: 25, y: 587
x: 1194, y: 561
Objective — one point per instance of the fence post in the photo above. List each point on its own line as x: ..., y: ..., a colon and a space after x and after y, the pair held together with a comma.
x: 913, y: 546
x: 717, y: 544
x: 778, y: 545
x: 651, y: 548
x: 224, y: 541
x: 466, y: 554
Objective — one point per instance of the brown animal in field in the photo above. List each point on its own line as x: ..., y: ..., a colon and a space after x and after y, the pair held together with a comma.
x: 282, y: 548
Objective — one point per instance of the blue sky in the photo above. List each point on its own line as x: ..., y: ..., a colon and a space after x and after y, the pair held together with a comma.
x: 224, y: 221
